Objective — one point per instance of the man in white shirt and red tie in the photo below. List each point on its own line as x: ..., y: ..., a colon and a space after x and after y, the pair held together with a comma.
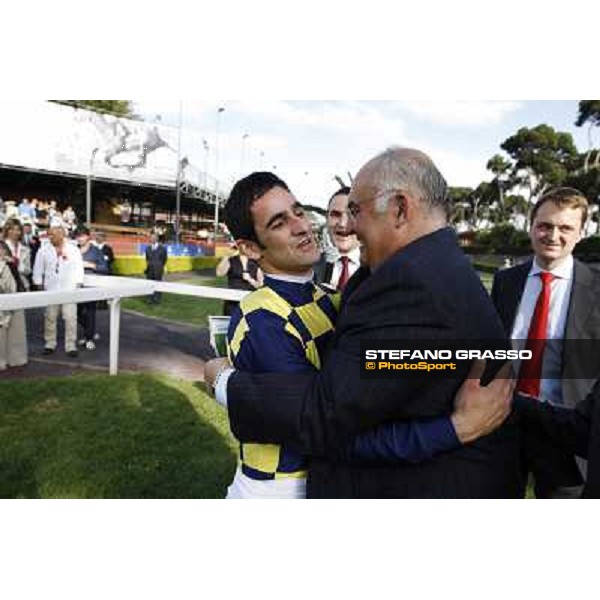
x: 338, y: 262
x: 543, y: 303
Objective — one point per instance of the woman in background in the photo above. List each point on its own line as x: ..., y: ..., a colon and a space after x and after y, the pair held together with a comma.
x: 243, y: 273
x: 13, y: 336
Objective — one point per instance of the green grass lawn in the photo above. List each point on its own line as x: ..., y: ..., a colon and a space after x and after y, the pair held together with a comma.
x: 131, y: 436
x: 185, y: 309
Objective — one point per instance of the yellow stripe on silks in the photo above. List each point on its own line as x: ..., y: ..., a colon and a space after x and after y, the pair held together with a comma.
x: 335, y: 300
x: 335, y: 297
x: 289, y: 328
x: 318, y: 294
x: 266, y: 299
x: 238, y: 335
x: 262, y: 457
x: 315, y: 320
x: 312, y: 354
x: 294, y: 475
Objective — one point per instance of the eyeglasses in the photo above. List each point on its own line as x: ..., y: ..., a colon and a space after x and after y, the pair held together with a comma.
x: 355, y: 207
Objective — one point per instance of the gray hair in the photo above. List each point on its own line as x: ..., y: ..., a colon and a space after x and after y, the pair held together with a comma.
x: 412, y: 170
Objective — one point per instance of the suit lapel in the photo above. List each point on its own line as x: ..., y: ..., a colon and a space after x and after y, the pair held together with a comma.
x: 352, y: 286
x: 328, y: 272
x: 583, y: 299
x: 515, y: 285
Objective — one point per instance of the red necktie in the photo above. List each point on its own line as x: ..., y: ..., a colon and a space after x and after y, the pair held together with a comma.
x: 344, y: 275
x: 531, y: 370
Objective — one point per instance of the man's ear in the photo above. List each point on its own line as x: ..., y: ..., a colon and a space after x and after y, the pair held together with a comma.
x: 249, y: 248
x: 403, y: 206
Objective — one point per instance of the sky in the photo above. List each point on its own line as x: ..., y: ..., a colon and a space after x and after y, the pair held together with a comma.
x: 307, y: 143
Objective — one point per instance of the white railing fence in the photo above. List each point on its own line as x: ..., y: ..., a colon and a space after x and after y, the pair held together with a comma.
x: 112, y: 289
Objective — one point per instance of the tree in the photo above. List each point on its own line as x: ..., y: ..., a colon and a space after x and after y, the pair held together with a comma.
x: 542, y: 155
x: 119, y: 108
x: 500, y: 167
x: 589, y: 112
x: 470, y: 204
x: 588, y: 183
x: 461, y: 201
x: 517, y: 206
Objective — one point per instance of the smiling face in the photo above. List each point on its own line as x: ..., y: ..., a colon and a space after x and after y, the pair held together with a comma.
x: 554, y: 233
x: 286, y: 241
x: 338, y: 225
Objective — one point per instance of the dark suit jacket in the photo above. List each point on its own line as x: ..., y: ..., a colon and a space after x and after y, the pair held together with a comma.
x: 323, y: 270
x: 580, y: 357
x: 577, y: 430
x: 155, y: 262
x: 583, y: 323
x: 426, y: 291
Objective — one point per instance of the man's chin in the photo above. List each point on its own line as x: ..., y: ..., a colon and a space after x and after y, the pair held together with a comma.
x: 550, y: 257
x: 345, y: 248
x: 551, y: 254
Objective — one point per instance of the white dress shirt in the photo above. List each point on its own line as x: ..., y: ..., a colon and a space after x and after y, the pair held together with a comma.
x: 560, y: 295
x: 54, y: 272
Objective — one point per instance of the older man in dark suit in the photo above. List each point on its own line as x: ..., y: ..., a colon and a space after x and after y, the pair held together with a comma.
x: 550, y: 303
x: 417, y: 286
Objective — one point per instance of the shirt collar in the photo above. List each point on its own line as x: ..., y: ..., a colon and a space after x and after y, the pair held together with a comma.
x: 563, y: 271
x: 353, y: 255
x: 291, y: 278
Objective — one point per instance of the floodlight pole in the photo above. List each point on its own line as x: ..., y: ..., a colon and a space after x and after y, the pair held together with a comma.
x: 178, y: 179
x: 244, y: 138
x: 88, y: 190
x: 206, y: 150
x: 216, y: 222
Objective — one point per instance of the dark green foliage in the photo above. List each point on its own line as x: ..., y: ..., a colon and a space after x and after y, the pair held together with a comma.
x: 586, y: 182
x: 504, y: 239
x: 120, y: 108
x: 547, y: 155
x: 589, y: 112
x: 588, y: 249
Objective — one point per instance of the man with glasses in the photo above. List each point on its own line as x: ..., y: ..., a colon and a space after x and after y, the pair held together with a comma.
x: 342, y: 259
x: 416, y: 285
x: 59, y: 266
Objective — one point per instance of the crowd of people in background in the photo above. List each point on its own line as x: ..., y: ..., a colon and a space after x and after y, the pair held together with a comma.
x: 38, y: 214
x: 44, y: 248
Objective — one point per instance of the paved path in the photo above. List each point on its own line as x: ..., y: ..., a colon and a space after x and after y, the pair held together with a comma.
x: 146, y: 344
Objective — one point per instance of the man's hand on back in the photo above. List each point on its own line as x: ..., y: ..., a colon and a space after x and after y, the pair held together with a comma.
x: 479, y: 410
